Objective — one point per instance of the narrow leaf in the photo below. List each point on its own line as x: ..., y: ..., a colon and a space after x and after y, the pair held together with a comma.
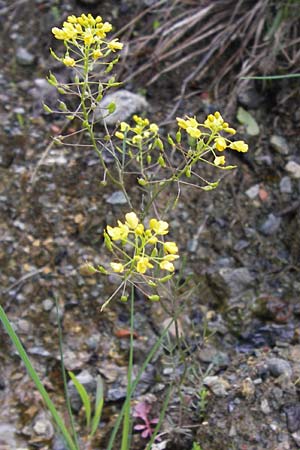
x: 84, y: 397
x: 98, y: 405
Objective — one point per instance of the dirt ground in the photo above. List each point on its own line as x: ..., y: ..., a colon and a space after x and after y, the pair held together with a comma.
x: 239, y: 367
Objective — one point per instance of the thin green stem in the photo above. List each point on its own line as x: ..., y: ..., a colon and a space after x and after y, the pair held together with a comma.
x: 126, y: 422
x: 63, y: 371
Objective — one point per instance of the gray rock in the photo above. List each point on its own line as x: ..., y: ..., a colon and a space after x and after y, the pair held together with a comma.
x: 296, y: 437
x: 293, y: 168
x: 278, y: 366
x: 217, y: 385
x: 47, y: 304
x: 230, y: 282
x: 253, y: 191
x: 271, y: 225
x: 293, y: 417
x: 285, y: 185
x: 127, y: 103
x: 117, y: 198
x: 265, y: 407
x: 279, y: 144
x: 24, y: 57
x: 42, y: 426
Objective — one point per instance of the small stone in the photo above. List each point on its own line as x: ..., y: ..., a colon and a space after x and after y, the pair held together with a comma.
x: 127, y: 103
x: 293, y: 168
x: 217, y: 385
x: 230, y: 282
x: 24, y: 57
x: 271, y: 225
x: 253, y: 191
x: 43, y: 426
x: 296, y: 437
x: 293, y: 417
x: 278, y: 366
x: 264, y: 406
x: 117, y: 198
x: 279, y: 144
x: 47, y: 304
x: 285, y: 185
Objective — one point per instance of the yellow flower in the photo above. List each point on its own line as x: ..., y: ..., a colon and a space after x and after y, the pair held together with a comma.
x: 230, y: 130
x: 181, y: 123
x: 119, y: 135
x: 139, y: 229
x: 117, y: 267
x: 143, y: 264
x: 88, y: 37
x: 115, y: 45
x: 170, y: 247
x: 214, y: 122
x: 72, y: 19
x: 152, y: 240
x: 107, y: 27
x: 118, y: 233
x: 193, y: 132
x: 220, y: 144
x: 131, y: 220
x: 170, y: 257
x: 124, y: 126
x: 153, y: 128
x: 239, y: 146
x: 97, y: 53
x: 190, y: 125
x: 166, y: 265
x: 69, y: 62
x: 219, y: 160
x: 159, y: 226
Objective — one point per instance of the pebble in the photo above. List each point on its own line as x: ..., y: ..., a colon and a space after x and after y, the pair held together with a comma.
x: 285, y: 185
x: 233, y: 282
x: 47, y: 304
x: 292, y: 413
x: 24, y: 57
x: 127, y: 103
x: 278, y: 366
x: 293, y: 168
x: 253, y: 191
x: 265, y: 407
x: 271, y: 225
x: 117, y: 198
x: 217, y: 385
x: 296, y: 437
x: 279, y: 144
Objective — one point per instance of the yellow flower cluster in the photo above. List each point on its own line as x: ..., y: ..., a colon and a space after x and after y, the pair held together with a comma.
x: 215, y: 124
x: 147, y: 249
x: 143, y: 131
x: 86, y: 33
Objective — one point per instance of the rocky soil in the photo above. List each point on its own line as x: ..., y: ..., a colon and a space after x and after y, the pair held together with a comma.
x: 239, y: 366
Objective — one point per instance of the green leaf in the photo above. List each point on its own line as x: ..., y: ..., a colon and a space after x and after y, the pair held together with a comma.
x: 98, y: 405
x: 84, y: 397
x: 245, y: 118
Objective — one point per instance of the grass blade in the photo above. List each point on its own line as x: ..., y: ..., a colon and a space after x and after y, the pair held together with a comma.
x: 98, y: 405
x: 84, y: 398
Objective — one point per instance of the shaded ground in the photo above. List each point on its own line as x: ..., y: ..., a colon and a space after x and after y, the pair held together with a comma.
x: 241, y: 321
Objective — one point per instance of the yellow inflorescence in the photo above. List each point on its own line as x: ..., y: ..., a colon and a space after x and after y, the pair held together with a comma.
x: 212, y: 139
x: 86, y: 33
x: 148, y: 250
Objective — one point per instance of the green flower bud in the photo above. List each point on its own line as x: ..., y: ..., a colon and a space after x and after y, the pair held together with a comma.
x: 154, y: 298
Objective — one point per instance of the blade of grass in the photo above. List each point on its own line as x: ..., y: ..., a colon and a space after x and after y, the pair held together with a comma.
x: 84, y: 398
x: 35, y: 378
x: 98, y: 405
